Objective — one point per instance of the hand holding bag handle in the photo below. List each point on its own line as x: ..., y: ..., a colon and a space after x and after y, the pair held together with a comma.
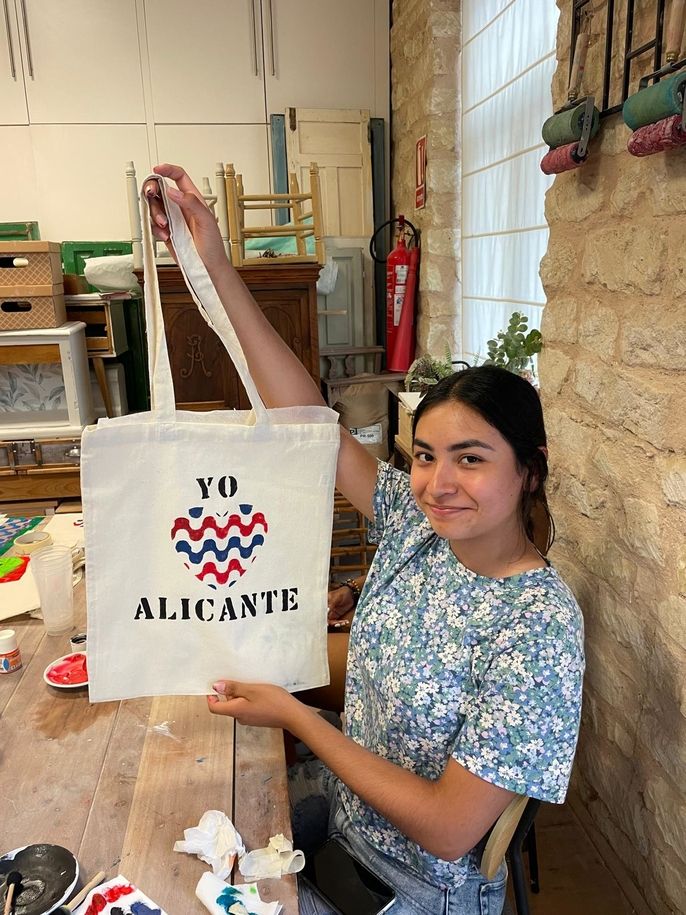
x: 204, y: 295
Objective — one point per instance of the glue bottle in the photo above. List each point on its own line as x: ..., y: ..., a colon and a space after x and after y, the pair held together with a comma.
x: 10, y: 656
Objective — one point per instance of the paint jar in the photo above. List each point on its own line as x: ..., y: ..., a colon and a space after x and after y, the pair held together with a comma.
x: 52, y: 571
x: 10, y: 656
x: 78, y: 642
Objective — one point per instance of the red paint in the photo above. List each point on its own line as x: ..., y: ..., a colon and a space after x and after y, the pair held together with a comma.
x: 183, y: 524
x: 97, y: 904
x: 112, y: 894
x: 222, y: 577
x: 69, y: 672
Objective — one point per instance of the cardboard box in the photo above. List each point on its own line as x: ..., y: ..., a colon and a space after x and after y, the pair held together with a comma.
x: 28, y: 311
x: 407, y: 404
x: 30, y: 263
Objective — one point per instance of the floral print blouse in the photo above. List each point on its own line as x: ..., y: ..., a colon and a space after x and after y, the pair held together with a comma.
x: 445, y: 662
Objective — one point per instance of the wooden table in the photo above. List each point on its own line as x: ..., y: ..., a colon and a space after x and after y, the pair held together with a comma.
x: 118, y: 782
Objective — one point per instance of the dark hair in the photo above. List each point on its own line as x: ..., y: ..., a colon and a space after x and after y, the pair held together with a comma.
x: 512, y: 406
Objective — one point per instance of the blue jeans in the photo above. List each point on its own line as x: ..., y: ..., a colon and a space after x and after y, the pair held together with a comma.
x: 317, y: 813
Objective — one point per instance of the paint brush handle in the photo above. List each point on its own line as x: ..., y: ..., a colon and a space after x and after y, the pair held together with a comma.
x: 12, y: 882
x: 81, y: 895
x: 579, y: 62
x: 9, y: 898
x: 675, y: 30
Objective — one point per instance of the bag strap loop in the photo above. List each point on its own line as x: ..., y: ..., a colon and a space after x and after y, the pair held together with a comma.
x: 205, y: 297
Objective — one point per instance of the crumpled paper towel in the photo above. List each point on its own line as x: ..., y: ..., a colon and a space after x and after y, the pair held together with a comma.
x: 277, y: 859
x: 215, y: 841
x: 219, y: 898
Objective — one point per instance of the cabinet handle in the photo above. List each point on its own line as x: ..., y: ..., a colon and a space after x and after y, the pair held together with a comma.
x: 10, y: 47
x: 253, y: 35
x: 271, y: 37
x: 25, y: 23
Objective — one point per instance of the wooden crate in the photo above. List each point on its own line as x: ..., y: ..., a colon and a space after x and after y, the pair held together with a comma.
x: 19, y: 231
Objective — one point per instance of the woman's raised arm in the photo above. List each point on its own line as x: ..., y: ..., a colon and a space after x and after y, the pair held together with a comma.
x: 280, y: 377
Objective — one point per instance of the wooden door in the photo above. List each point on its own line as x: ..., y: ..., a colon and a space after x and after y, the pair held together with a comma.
x: 206, y: 63
x: 82, y: 62
x: 338, y: 141
x: 13, y: 108
x: 320, y: 54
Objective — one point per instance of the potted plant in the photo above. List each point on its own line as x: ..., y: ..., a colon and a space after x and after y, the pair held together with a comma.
x: 514, y: 348
x: 427, y: 370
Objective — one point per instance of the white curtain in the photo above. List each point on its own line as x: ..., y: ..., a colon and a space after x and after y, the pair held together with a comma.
x: 508, y: 60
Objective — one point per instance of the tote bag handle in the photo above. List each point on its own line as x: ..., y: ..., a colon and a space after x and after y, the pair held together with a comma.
x: 205, y: 297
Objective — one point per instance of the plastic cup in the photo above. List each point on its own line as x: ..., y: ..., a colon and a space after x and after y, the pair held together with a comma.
x: 52, y: 571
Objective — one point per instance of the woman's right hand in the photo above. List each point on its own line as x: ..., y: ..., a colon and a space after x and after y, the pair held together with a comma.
x: 341, y: 608
x: 198, y: 216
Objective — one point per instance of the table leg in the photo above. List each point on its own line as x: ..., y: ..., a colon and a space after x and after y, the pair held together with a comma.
x: 99, y: 366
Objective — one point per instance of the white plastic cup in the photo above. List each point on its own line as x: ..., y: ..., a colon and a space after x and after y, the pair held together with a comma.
x: 52, y: 571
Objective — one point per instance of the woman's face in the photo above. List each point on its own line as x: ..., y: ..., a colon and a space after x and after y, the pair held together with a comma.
x: 464, y: 476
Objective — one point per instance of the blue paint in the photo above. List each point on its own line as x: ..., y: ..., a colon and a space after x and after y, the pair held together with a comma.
x: 140, y: 908
x: 228, y: 897
x: 210, y: 546
x: 195, y: 512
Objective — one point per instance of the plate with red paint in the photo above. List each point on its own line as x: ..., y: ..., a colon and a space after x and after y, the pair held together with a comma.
x: 67, y: 672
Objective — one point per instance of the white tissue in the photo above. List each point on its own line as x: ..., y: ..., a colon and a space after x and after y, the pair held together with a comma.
x: 277, y: 859
x: 237, y: 900
x: 215, y: 841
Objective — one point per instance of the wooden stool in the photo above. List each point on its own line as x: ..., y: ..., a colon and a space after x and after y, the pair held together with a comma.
x: 299, y: 228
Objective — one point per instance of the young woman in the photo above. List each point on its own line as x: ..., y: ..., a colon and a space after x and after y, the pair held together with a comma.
x: 466, y: 650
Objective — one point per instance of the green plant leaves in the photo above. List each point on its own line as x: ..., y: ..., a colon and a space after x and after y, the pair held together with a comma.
x: 513, y: 348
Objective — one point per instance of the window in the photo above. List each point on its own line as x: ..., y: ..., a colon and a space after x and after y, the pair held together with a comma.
x: 508, y: 60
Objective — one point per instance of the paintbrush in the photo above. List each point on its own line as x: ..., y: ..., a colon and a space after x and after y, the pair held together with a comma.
x: 11, y: 887
x: 80, y: 896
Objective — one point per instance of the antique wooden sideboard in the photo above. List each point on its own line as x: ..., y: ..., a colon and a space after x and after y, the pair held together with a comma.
x: 204, y: 378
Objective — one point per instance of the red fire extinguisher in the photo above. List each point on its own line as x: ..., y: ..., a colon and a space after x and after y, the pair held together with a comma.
x: 402, y: 265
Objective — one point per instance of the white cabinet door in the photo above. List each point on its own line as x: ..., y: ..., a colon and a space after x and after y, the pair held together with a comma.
x: 205, y: 61
x: 81, y: 184
x: 199, y: 147
x: 320, y: 54
x: 13, y: 108
x: 19, y: 197
x: 82, y: 61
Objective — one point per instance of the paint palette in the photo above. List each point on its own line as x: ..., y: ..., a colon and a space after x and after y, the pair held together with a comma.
x: 118, y: 896
x: 68, y: 672
x: 48, y: 877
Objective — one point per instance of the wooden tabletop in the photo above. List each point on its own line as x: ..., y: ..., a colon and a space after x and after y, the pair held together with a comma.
x: 118, y: 782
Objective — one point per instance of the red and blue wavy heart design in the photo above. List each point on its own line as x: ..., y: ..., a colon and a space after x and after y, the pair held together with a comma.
x: 218, y: 547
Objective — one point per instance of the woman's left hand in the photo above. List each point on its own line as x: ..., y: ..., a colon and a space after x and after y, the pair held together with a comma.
x: 257, y: 704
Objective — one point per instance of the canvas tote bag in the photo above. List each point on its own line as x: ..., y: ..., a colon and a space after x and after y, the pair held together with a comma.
x: 207, y: 535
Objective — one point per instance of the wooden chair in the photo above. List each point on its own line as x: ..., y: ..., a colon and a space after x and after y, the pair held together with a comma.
x: 304, y: 223
x: 216, y: 203
x: 351, y: 552
x: 513, y: 828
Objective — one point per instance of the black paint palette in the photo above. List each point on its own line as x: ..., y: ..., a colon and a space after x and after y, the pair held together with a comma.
x: 48, y: 876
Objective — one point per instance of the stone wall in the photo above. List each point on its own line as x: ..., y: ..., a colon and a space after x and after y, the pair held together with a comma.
x: 425, y: 41
x: 614, y: 388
